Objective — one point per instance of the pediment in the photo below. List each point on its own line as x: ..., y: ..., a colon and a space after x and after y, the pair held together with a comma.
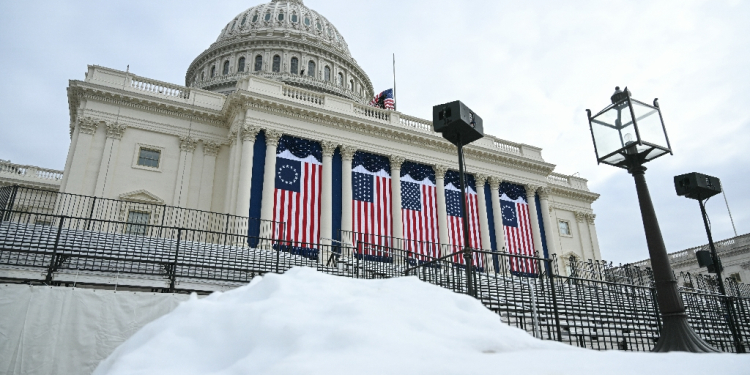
x: 141, y: 196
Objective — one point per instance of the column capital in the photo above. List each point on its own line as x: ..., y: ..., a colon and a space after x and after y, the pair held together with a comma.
x: 480, y: 179
x: 272, y: 137
x: 329, y: 147
x: 187, y: 143
x: 543, y: 192
x: 580, y: 216
x: 440, y: 170
x: 347, y: 152
x: 396, y: 161
x: 590, y: 218
x: 495, y: 182
x: 530, y: 190
x: 210, y: 148
x: 87, y: 125
x: 248, y: 133
x: 115, y: 131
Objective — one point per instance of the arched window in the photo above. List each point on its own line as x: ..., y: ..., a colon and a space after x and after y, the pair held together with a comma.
x: 311, y: 69
x: 276, y: 64
x: 351, y: 85
x: 268, y: 16
x: 241, y: 65
x: 258, y: 63
x: 255, y: 17
x: 281, y: 16
x: 341, y: 79
x: 327, y: 74
x: 225, y: 71
x: 307, y: 21
x: 213, y: 71
x: 294, y: 65
x: 294, y: 17
x: 203, y: 76
x: 243, y: 21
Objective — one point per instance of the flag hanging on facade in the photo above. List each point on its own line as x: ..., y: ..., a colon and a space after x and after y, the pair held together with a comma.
x: 517, y: 226
x: 419, y: 210
x: 455, y: 218
x: 384, y: 100
x: 371, y: 204
x: 297, y: 195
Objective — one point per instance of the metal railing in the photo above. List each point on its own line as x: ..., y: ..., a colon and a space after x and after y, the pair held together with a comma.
x: 604, y: 308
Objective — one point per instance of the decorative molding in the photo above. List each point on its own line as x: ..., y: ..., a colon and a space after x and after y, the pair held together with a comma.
x: 543, y: 193
x: 495, y: 183
x: 396, y: 161
x: 248, y: 133
x: 328, y: 147
x: 87, y: 125
x: 232, y: 137
x: 210, y: 148
x: 579, y: 195
x: 272, y: 137
x: 580, y: 216
x: 115, y: 131
x: 188, y: 143
x: 141, y: 196
x: 590, y: 218
x: 347, y: 152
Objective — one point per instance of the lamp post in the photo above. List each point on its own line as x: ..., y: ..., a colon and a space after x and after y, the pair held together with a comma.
x: 627, y: 134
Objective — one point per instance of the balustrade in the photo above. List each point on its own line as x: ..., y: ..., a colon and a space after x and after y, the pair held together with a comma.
x: 507, y: 147
x: 30, y: 171
x: 161, y: 88
x: 304, y: 96
x: 415, y: 122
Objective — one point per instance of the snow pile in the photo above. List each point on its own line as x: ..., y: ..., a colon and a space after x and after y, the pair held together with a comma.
x: 305, y: 322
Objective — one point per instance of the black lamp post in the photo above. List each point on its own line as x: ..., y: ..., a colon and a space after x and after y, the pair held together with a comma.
x: 627, y: 134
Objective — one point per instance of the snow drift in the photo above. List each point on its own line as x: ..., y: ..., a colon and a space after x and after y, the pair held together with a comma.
x: 306, y: 322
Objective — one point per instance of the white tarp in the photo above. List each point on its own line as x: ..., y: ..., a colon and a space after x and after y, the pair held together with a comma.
x: 67, y: 331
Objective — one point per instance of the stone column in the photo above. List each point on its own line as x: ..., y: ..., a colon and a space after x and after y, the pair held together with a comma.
x: 397, y: 220
x: 441, y: 207
x: 326, y: 197
x: 536, y: 234
x: 77, y: 173
x: 269, y: 183
x: 347, y: 154
x: 247, y: 136
x: 580, y: 222
x: 592, y: 235
x: 497, y: 215
x: 236, y: 170
x: 109, y: 158
x: 232, y: 138
x: 206, y: 192
x: 484, y: 226
x: 549, y: 226
x: 182, y: 184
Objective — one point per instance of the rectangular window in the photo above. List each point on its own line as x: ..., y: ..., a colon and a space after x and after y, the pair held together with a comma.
x: 564, y: 227
x: 148, y: 157
x: 137, y: 222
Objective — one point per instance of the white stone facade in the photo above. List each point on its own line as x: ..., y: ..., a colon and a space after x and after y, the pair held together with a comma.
x: 205, y: 139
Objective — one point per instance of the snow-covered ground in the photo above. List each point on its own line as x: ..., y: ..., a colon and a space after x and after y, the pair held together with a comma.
x: 306, y: 322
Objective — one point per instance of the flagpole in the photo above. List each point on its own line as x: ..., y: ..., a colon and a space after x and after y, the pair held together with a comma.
x: 394, y: 81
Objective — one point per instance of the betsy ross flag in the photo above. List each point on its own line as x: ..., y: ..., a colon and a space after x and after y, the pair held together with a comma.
x: 384, y: 100
x: 297, y: 194
x: 371, y: 204
x: 455, y: 217
x: 419, y: 210
x: 517, y: 226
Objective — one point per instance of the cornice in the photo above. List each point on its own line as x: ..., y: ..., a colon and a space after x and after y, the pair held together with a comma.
x: 566, y: 192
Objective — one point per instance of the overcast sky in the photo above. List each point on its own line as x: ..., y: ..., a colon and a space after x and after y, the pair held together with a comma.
x: 529, y: 68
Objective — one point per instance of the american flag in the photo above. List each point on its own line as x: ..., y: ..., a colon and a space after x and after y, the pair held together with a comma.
x: 419, y: 210
x: 297, y: 194
x: 371, y: 203
x: 384, y: 100
x: 517, y: 226
x: 455, y: 218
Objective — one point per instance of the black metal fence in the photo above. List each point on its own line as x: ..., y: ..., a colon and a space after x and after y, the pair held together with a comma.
x: 601, y: 307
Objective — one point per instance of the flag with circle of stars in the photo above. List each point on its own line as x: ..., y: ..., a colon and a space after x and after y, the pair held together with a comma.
x: 517, y: 228
x: 297, y: 195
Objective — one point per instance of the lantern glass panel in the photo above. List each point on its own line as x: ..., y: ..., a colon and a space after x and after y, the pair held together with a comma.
x: 613, y: 129
x: 649, y: 124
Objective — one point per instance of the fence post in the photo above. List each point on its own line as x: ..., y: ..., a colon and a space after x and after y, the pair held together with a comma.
x: 53, y: 262
x: 11, y: 203
x: 554, y: 300
x: 173, y: 276
x: 91, y: 214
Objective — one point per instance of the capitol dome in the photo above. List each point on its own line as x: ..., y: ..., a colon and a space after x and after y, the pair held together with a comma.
x: 286, y: 41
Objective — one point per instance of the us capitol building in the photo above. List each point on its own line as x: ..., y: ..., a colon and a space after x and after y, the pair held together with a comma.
x: 279, y: 79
